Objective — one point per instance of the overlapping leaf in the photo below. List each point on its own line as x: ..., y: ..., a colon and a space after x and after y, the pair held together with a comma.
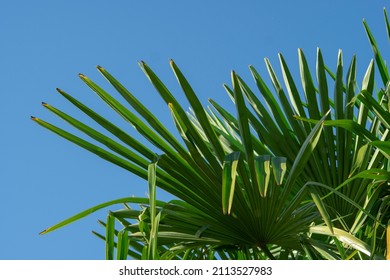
x: 241, y: 178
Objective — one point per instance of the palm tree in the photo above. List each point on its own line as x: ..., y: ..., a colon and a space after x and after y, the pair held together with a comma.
x: 303, y: 177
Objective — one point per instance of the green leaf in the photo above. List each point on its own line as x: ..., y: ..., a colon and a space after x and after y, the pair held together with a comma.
x: 271, y: 214
x: 93, y: 209
x: 153, y: 240
x: 372, y: 104
x: 152, y: 188
x: 344, y: 237
x: 140, y: 126
x: 202, y: 167
x: 308, y: 86
x: 304, y: 153
x: 263, y: 172
x: 295, y: 98
x: 321, y: 207
x: 110, y: 235
x: 378, y: 57
x: 279, y: 168
x: 384, y: 146
x: 154, y: 218
x: 169, y: 99
x: 142, y: 110
x: 339, y: 113
x: 246, y: 136
x: 270, y: 99
x: 123, y: 245
x: 199, y: 112
x: 368, y: 85
x: 113, y: 129
x: 346, y: 124
x: 327, y: 147
x: 229, y: 181
x: 387, y: 23
x: 93, y: 148
x: 116, y: 147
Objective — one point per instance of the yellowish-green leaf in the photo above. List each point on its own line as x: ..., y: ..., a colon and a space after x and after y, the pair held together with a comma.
x: 229, y: 181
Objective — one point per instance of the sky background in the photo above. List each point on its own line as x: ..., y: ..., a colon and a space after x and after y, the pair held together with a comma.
x: 45, y: 44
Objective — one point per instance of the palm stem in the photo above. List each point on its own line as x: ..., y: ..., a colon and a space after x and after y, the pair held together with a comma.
x: 267, y: 252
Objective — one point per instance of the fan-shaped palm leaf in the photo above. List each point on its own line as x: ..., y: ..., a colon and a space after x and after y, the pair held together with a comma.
x: 240, y: 181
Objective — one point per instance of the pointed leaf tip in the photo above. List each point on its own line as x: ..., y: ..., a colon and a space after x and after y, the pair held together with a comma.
x: 33, y: 118
x: 44, y: 104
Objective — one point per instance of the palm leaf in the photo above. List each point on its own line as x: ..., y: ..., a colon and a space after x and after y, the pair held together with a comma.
x: 254, y: 206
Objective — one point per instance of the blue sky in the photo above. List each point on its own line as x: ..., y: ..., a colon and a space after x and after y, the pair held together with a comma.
x: 45, y: 44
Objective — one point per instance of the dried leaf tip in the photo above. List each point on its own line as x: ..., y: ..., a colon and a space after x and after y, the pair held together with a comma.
x: 44, y: 104
x: 82, y: 76
x: 99, y: 67
x: 34, y: 118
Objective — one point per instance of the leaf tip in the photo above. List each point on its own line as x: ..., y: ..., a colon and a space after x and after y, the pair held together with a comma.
x: 142, y: 65
x: 33, y: 118
x: 82, y: 76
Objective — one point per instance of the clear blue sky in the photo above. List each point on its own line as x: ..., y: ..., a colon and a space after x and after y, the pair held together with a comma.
x: 45, y: 44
